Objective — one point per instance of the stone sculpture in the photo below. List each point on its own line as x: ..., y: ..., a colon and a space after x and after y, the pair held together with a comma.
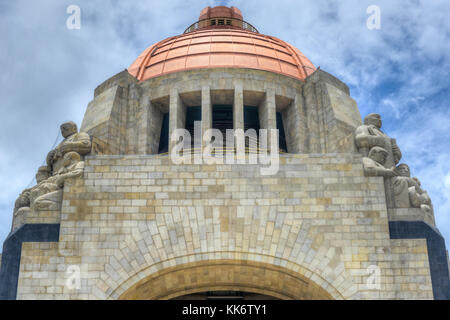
x: 23, y: 202
x: 381, y: 155
x: 74, y: 141
x: 374, y: 163
x: 48, y: 195
x: 64, y: 162
x: 408, y: 192
x: 369, y: 135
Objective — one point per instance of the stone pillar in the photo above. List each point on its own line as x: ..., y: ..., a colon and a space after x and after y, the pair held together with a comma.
x: 312, y: 117
x: 238, y: 107
x: 295, y: 126
x: 177, y: 115
x: 267, y: 113
x: 154, y: 124
x: 206, y: 111
x: 142, y: 123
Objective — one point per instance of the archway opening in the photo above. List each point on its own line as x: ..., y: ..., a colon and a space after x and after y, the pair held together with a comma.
x: 233, y: 276
x: 225, y: 295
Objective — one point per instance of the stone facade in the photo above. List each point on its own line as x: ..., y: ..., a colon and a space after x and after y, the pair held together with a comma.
x: 319, y: 115
x: 130, y: 217
x: 135, y: 225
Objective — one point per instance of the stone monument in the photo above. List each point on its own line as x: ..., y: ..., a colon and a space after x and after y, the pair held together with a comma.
x: 340, y: 218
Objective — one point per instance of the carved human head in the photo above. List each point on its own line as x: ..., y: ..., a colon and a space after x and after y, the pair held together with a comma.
x: 403, y: 170
x: 68, y: 128
x: 373, y: 119
x: 71, y: 158
x: 42, y: 174
x: 378, y: 154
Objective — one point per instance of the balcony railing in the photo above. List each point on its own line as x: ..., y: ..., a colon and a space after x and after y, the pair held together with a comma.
x: 221, y: 22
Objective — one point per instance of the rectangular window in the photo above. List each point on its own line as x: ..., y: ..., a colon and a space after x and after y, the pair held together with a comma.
x: 193, y: 114
x: 221, y: 22
x: 164, y: 137
x: 282, y: 136
x: 222, y: 119
x: 251, y: 121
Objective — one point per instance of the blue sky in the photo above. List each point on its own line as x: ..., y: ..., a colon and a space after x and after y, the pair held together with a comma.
x: 401, y: 71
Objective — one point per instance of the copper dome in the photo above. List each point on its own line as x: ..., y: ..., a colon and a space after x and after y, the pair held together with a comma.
x: 221, y: 39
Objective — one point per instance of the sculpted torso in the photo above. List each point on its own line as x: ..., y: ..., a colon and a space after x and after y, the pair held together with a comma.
x: 74, y: 141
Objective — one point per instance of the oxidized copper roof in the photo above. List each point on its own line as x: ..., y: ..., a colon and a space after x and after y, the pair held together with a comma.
x: 221, y: 47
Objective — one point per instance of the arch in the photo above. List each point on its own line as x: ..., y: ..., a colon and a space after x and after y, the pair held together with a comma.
x: 227, y: 275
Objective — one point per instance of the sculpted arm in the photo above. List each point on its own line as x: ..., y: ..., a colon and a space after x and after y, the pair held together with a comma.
x: 77, y: 172
x: 396, y: 151
x: 371, y: 169
x: 82, y: 144
x: 364, y: 139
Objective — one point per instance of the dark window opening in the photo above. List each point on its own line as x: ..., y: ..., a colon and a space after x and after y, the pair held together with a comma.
x: 164, y: 137
x: 281, y: 137
x: 222, y: 119
x: 228, y: 22
x: 213, y: 22
x: 193, y: 114
x: 221, y: 22
x: 251, y: 121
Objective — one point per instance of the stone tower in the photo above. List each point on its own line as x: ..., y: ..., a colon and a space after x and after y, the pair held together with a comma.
x: 132, y: 207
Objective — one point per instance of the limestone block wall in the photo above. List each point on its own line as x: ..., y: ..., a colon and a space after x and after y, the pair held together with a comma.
x: 135, y: 224
x: 38, y: 271
x: 35, y: 217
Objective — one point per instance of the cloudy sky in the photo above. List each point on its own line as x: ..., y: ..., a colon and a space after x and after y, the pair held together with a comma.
x: 49, y: 73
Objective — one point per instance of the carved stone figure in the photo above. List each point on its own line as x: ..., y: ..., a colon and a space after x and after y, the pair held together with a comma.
x: 74, y: 141
x: 23, y: 202
x: 370, y: 135
x: 64, y: 162
x: 407, y: 190
x: 374, y: 163
x: 73, y: 167
x: 48, y: 195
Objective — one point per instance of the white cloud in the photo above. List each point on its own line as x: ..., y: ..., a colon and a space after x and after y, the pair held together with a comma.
x: 447, y: 182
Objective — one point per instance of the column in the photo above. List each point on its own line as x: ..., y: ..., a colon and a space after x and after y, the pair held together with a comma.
x: 206, y: 111
x: 267, y: 113
x: 238, y: 107
x: 177, y: 115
